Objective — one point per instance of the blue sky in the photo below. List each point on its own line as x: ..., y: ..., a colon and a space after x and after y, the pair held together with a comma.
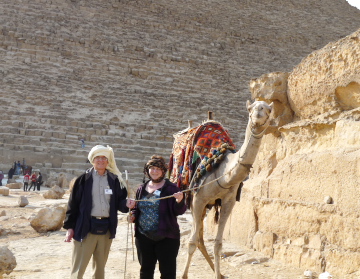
x: 355, y: 3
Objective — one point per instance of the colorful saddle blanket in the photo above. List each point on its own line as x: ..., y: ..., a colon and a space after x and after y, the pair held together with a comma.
x: 191, y: 146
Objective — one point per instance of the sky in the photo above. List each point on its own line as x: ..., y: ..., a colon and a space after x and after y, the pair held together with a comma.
x: 355, y: 3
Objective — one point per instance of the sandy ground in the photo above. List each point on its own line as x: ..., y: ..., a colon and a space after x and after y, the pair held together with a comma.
x: 45, y: 255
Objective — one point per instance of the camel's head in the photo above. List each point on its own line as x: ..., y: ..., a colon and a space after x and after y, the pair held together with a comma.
x: 259, y: 112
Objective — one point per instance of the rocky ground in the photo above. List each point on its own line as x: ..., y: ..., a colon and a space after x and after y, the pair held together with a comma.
x: 45, y: 255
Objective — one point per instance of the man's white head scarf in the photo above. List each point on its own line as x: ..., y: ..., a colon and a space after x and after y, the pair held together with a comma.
x: 100, y: 150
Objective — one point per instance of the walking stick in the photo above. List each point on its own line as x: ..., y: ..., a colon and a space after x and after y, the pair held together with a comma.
x: 131, y: 225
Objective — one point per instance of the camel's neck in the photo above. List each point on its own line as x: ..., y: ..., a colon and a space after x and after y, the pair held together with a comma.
x: 249, y: 149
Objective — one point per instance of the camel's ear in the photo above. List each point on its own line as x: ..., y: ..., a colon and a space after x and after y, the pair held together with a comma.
x: 271, y: 106
x: 248, y: 105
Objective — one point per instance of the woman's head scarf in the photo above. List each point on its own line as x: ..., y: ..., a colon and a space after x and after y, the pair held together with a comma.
x: 155, y: 161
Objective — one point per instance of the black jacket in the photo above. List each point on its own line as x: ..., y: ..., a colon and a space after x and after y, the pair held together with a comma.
x: 169, y: 209
x: 78, y: 214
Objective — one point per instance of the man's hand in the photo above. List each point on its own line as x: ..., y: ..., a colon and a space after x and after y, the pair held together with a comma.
x: 69, y: 235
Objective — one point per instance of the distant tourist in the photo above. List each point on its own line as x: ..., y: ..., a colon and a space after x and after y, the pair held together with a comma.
x: 1, y: 177
x: 11, y: 173
x: 91, y: 216
x: 33, y: 179
x: 23, y: 166
x: 18, y: 168
x: 39, y: 181
x: 26, y: 181
x: 82, y: 143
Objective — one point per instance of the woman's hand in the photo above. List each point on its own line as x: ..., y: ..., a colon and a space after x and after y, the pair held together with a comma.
x: 69, y: 235
x: 178, y: 196
x: 130, y: 203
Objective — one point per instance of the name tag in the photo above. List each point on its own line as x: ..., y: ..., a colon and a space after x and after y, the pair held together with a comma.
x: 108, y: 191
x: 157, y: 193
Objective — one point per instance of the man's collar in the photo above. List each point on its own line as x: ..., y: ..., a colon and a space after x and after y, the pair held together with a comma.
x: 97, y: 173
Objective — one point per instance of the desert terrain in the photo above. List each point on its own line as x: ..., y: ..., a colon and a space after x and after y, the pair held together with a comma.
x: 46, y: 255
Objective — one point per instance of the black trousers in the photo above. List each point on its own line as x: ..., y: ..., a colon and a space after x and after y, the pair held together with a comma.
x: 26, y: 184
x: 33, y: 184
x: 149, y: 252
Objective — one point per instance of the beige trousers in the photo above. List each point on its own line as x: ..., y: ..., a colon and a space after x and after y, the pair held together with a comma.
x: 97, y: 246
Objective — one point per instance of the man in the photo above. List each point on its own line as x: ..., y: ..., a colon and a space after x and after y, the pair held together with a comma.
x: 91, y: 216
x: 26, y: 181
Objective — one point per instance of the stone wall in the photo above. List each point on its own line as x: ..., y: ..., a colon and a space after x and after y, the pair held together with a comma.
x: 301, y: 203
x: 132, y: 73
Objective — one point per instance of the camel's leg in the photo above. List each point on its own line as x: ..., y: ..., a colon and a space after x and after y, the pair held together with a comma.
x: 197, y: 210
x: 201, y: 246
x: 227, y: 205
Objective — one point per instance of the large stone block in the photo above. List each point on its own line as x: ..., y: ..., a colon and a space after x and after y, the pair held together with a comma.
x: 16, y: 185
x: 48, y: 219
x: 328, y: 80
x: 7, y: 261
x: 4, y: 191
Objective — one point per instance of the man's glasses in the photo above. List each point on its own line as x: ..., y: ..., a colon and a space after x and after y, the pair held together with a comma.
x: 102, y: 158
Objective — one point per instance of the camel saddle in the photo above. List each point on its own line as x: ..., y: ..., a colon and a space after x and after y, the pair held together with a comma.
x: 191, y: 146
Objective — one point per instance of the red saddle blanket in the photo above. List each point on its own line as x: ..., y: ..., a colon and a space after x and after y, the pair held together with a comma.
x: 191, y: 146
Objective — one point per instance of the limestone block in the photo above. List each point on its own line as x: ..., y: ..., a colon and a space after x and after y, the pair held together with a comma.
x: 271, y: 86
x: 17, y: 185
x: 3, y: 213
x: 23, y: 201
x: 71, y: 184
x: 263, y: 242
x: 328, y: 80
x: 71, y: 137
x: 7, y: 261
x: 62, y: 180
x: 4, y: 191
x: 48, y: 219
x: 39, y: 149
x: 54, y: 193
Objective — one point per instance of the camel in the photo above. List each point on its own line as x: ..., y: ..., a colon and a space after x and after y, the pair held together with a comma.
x: 223, y: 183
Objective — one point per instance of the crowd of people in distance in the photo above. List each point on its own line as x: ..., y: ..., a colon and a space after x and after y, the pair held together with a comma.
x: 34, y: 180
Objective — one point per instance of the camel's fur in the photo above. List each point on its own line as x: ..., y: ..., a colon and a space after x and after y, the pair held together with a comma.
x: 233, y: 170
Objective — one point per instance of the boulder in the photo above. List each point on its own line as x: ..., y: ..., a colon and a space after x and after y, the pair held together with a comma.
x: 7, y: 261
x: 71, y: 184
x: 51, y: 180
x: 54, y: 193
x: 16, y: 185
x: 48, y: 219
x: 328, y: 80
x: 62, y: 180
x: 55, y: 179
x: 3, y: 213
x: 4, y: 191
x: 23, y: 201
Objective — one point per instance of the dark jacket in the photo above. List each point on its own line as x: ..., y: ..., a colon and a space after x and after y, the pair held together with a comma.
x: 78, y: 214
x: 168, y: 210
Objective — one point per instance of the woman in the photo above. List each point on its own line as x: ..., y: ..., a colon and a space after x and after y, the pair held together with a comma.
x: 156, y: 229
x: 39, y: 181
